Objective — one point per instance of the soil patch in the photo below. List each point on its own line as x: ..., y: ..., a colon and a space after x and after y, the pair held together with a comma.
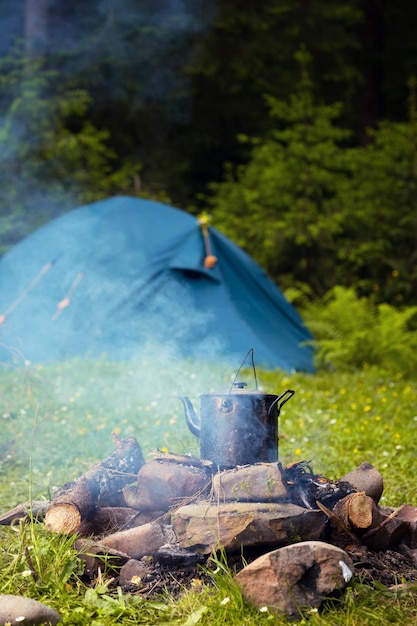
x: 387, y: 568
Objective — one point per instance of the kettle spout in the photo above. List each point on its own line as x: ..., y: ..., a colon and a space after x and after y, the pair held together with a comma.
x: 193, y: 422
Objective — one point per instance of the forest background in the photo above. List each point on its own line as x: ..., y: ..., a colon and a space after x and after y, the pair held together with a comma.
x: 292, y: 123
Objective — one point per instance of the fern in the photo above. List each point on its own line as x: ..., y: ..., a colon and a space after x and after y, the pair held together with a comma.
x: 352, y: 332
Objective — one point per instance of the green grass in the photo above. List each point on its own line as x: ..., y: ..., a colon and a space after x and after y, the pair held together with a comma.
x: 57, y: 420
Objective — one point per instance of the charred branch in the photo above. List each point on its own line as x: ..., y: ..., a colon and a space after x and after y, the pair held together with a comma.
x: 78, y: 500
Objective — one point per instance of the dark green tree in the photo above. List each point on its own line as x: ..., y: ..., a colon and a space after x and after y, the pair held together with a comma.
x: 378, y: 248
x: 316, y: 212
x: 283, y: 206
x: 52, y: 156
x: 248, y: 54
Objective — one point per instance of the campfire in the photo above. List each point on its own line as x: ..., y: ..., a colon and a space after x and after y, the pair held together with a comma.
x: 275, y: 523
x: 180, y: 510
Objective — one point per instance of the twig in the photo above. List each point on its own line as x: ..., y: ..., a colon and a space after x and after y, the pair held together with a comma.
x: 335, y: 518
x: 384, y: 522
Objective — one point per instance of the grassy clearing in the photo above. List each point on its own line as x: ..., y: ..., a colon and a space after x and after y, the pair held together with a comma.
x: 55, y: 421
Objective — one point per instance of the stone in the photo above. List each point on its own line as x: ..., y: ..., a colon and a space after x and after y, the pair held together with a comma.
x: 368, y: 479
x: 261, y: 482
x: 203, y: 527
x: 133, y: 573
x: 295, y: 577
x: 162, y: 484
x: 19, y: 609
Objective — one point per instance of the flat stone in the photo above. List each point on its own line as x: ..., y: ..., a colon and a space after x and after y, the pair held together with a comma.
x: 22, y: 610
x: 295, y: 577
x: 203, y: 527
x: 261, y: 482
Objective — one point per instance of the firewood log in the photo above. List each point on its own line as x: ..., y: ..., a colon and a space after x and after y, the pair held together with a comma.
x: 78, y: 500
x: 350, y: 518
x: 389, y: 532
x: 112, y: 519
x: 366, y: 478
x: 356, y: 510
x: 35, y: 509
x: 360, y: 508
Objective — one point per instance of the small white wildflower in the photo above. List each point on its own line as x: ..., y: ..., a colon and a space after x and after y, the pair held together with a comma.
x: 263, y: 609
x: 27, y: 573
x: 21, y: 618
x: 314, y: 610
x: 225, y: 601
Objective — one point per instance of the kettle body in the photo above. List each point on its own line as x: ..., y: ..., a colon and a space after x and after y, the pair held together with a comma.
x: 237, y: 427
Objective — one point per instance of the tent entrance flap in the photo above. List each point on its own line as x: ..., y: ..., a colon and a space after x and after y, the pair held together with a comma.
x: 191, y: 255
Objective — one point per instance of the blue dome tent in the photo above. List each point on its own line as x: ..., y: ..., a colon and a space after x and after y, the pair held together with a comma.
x: 123, y: 276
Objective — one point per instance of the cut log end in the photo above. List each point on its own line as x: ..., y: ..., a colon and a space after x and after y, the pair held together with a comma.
x: 360, y: 510
x: 63, y: 518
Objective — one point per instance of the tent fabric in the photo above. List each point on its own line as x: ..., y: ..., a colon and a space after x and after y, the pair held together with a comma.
x: 125, y: 277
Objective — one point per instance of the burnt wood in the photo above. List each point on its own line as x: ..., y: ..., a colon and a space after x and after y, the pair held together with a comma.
x: 78, y: 500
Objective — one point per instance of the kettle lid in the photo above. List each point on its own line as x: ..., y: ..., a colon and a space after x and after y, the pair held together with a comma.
x: 238, y: 388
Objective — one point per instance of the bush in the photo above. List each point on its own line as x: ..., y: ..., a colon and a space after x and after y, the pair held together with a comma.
x: 354, y: 332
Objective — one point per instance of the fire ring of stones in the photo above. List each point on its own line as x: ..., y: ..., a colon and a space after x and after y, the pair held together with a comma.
x: 298, y: 530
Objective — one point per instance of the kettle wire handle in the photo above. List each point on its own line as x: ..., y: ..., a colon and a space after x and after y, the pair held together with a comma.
x: 249, y: 352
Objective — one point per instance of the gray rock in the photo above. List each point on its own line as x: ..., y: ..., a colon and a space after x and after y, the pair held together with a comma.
x: 203, y: 527
x: 295, y: 577
x: 133, y: 572
x: 261, y: 482
x: 21, y: 610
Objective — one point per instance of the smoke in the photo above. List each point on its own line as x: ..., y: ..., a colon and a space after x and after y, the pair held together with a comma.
x: 136, y: 52
x: 128, y: 55
x: 133, y: 337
